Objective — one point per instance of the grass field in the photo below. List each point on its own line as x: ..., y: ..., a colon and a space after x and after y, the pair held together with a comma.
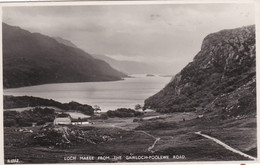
x: 176, y: 141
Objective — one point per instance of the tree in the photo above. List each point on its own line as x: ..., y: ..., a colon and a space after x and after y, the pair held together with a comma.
x: 96, y: 108
x: 138, y: 106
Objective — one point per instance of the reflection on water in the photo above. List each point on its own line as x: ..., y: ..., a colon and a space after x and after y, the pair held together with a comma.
x: 108, y: 95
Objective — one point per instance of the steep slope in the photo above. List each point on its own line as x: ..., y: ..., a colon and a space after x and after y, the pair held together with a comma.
x: 33, y: 59
x: 222, y: 77
x: 65, y: 42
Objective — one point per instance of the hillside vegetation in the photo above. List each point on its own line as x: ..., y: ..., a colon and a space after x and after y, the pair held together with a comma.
x: 11, y: 102
x: 25, y: 118
x: 220, y: 79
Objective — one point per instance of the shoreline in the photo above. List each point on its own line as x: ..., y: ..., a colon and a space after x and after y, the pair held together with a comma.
x: 107, y: 95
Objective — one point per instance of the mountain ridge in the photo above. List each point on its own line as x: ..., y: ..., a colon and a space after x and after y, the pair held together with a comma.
x: 65, y: 42
x: 225, y: 63
x: 35, y: 59
x: 126, y: 66
x: 129, y: 67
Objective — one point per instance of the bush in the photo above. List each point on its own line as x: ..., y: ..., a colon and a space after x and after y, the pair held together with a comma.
x: 9, y: 122
x: 135, y: 120
x: 102, y: 116
x: 50, y: 138
x: 24, y: 123
x: 42, y: 122
x: 138, y: 106
x: 25, y: 101
x: 27, y: 117
x: 124, y: 112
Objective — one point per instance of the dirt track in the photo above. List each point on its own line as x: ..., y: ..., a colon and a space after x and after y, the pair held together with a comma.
x: 225, y: 145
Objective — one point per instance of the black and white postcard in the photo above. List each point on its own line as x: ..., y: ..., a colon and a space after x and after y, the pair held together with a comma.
x: 121, y: 82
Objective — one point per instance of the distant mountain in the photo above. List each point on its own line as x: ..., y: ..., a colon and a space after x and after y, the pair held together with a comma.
x: 128, y: 67
x: 221, y: 80
x: 131, y: 67
x: 33, y: 59
x: 65, y: 42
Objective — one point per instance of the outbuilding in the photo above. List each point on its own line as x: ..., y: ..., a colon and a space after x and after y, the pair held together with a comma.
x: 62, y: 119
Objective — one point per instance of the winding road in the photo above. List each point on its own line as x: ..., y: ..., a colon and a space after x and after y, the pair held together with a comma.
x: 150, y: 149
x: 225, y: 145
x: 156, y: 140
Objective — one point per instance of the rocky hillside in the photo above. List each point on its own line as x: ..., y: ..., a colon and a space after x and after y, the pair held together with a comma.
x: 33, y: 59
x: 221, y: 77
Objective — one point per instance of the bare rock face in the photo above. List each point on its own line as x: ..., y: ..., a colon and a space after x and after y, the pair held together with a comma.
x: 225, y: 66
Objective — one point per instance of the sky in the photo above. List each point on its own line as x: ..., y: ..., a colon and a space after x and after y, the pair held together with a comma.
x: 166, y: 35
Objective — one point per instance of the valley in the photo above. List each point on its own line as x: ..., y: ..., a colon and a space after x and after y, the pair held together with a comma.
x: 166, y: 137
x: 62, y: 105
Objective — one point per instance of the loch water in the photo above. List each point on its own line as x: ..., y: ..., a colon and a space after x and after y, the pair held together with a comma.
x: 107, y: 95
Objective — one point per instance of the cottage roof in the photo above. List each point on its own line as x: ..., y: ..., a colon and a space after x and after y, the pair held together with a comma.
x: 62, y: 119
x: 63, y: 115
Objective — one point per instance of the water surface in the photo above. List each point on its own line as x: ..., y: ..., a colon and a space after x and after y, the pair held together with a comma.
x: 107, y: 95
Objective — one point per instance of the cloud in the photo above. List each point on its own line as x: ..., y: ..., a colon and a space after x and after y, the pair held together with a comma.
x: 144, y: 32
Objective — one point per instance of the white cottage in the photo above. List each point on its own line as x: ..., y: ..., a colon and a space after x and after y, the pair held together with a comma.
x: 62, y: 119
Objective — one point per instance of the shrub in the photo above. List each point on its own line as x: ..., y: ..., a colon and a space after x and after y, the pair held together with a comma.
x: 23, y: 123
x: 27, y: 117
x: 9, y: 122
x: 138, y: 106
x: 124, y: 112
x: 41, y: 122
x: 25, y: 101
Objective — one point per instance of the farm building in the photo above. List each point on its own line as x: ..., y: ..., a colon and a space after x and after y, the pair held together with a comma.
x: 62, y: 119
x: 80, y: 121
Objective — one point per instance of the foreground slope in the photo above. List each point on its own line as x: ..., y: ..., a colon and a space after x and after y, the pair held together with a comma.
x: 33, y: 59
x: 222, y: 76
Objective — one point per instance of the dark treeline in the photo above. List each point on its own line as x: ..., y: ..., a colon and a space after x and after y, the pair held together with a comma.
x: 25, y: 118
x: 29, y: 101
x: 124, y: 112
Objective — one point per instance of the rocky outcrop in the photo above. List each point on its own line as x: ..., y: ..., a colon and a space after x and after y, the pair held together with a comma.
x: 224, y: 70
x: 63, y: 136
